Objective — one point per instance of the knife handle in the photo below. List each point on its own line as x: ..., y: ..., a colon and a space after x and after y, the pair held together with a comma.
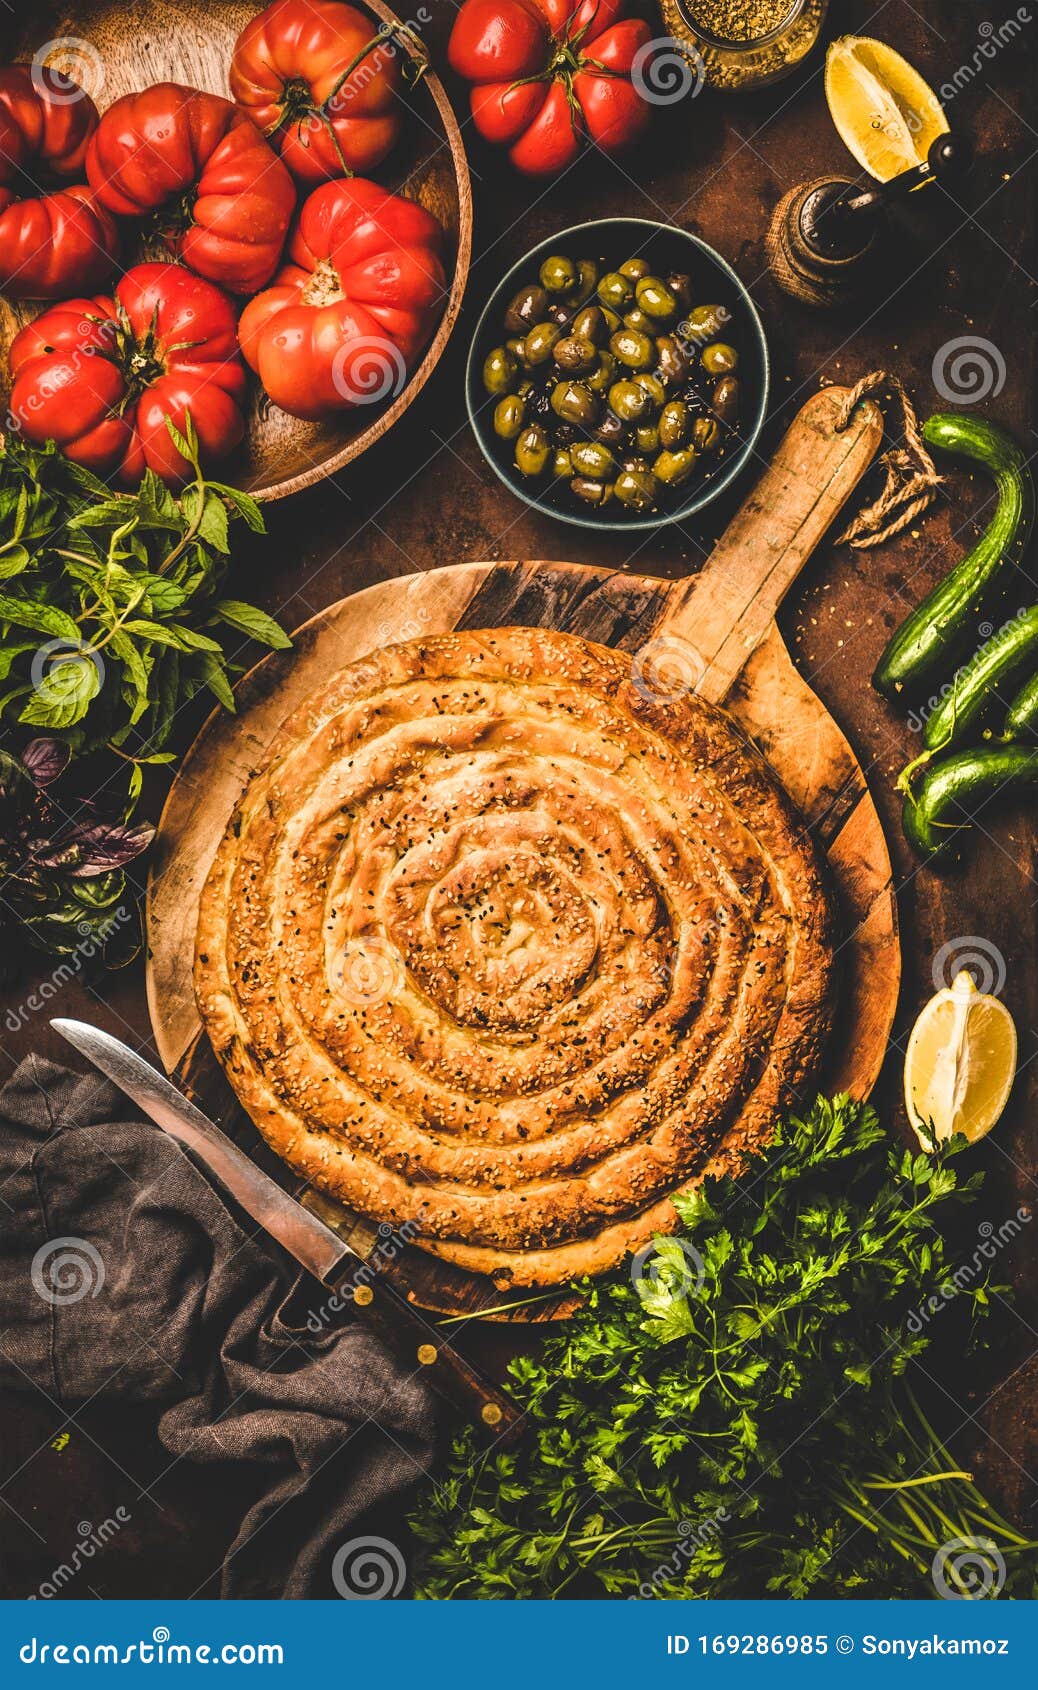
x: 421, y: 1347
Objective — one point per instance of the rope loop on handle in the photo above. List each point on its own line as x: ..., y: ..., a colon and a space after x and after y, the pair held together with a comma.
x: 912, y: 476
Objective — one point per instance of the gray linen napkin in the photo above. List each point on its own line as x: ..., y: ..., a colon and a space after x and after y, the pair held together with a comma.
x: 125, y: 1274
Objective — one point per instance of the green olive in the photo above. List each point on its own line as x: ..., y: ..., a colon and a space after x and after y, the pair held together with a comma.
x: 719, y: 359
x: 592, y: 492
x: 706, y: 434
x: 500, y: 371
x: 725, y: 398
x: 528, y: 306
x: 675, y: 422
x: 656, y: 299
x: 587, y: 281
x: 590, y: 324
x: 604, y: 373
x: 638, y: 489
x: 636, y: 319
x: 612, y: 321
x: 508, y: 416
x: 574, y: 403
x: 561, y: 463
x: 615, y: 291
x: 633, y: 348
x: 532, y: 451
x: 575, y: 355
x: 591, y: 458
x: 634, y: 269
x: 558, y: 274
x: 673, y: 468
x: 540, y: 342
x: 653, y: 387
x: 647, y: 438
x: 629, y: 401
x: 705, y: 323
x: 672, y: 360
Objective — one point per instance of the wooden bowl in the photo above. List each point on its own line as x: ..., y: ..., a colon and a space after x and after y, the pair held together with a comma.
x: 123, y: 48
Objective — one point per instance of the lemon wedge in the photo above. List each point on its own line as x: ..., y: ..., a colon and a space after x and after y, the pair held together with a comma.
x: 961, y: 1063
x: 884, y: 112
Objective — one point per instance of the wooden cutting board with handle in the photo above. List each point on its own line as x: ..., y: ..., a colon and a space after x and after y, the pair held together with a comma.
x: 715, y: 632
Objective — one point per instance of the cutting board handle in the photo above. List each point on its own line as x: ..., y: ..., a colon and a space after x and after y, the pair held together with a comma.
x: 725, y: 611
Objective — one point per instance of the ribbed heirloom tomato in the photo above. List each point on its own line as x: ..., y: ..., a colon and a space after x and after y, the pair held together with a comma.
x: 550, y: 74
x: 323, y: 85
x: 222, y: 198
x: 51, y: 243
x: 346, y: 320
x: 100, y: 376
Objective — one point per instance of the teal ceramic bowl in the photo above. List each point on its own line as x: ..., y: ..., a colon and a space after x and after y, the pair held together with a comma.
x: 667, y: 248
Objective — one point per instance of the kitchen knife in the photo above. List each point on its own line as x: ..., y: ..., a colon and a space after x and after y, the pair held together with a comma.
x: 320, y: 1250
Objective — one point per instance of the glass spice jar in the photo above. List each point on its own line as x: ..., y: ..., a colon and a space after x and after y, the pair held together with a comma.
x: 746, y: 43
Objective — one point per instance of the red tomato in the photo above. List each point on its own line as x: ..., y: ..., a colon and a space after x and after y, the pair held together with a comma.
x: 223, y: 199
x: 51, y: 244
x: 100, y: 376
x: 550, y: 74
x: 322, y: 84
x: 346, y: 320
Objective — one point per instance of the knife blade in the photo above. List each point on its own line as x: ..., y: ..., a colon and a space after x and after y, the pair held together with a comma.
x: 315, y: 1246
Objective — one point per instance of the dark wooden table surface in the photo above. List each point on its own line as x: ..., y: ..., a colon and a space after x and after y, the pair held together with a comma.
x: 423, y: 498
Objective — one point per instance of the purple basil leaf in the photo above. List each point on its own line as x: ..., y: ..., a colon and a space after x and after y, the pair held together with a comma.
x: 45, y: 759
x: 108, y: 845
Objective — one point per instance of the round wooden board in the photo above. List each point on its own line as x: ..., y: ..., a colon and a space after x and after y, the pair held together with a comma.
x: 767, y: 697
x: 124, y: 48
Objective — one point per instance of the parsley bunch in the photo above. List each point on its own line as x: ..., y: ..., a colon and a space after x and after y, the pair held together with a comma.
x: 738, y: 1423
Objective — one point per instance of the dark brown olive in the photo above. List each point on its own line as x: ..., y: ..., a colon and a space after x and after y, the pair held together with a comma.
x: 680, y: 286
x: 615, y: 291
x: 634, y: 269
x: 629, y: 400
x: 575, y: 403
x: 673, y: 468
x: 587, y: 281
x: 725, y: 398
x: 604, y: 373
x: 719, y: 359
x: 558, y: 274
x: 674, y: 423
x: 574, y: 355
x: 633, y: 348
x: 540, y: 342
x: 653, y: 387
x: 656, y: 299
x: 704, y: 323
x: 592, y: 492
x: 637, y: 488
x: 672, y: 360
x: 527, y: 307
x: 590, y: 324
x: 610, y: 431
x: 591, y: 458
x: 706, y: 434
x: 508, y: 416
x: 500, y: 371
x: 532, y: 451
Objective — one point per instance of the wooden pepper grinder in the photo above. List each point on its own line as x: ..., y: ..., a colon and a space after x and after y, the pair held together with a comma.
x: 828, y: 237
